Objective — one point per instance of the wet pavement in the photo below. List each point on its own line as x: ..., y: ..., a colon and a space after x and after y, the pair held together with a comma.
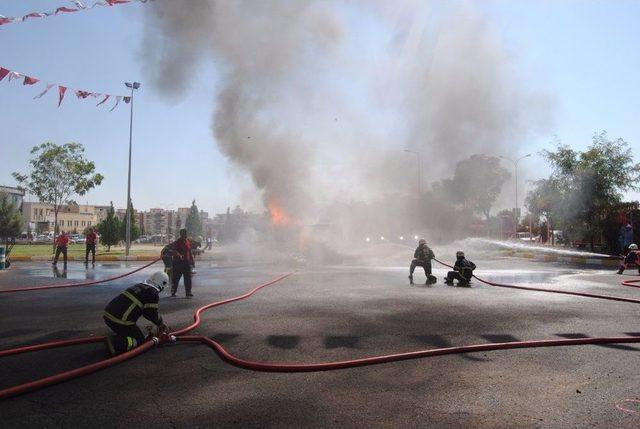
x: 324, y: 314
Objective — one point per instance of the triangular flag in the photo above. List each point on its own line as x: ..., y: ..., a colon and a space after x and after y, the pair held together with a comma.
x: 118, y: 98
x: 49, y: 86
x: 79, y: 4
x: 30, y: 80
x: 82, y: 94
x: 3, y: 73
x: 61, y: 91
x: 14, y: 75
x: 35, y: 15
x: 106, y: 97
x: 65, y: 9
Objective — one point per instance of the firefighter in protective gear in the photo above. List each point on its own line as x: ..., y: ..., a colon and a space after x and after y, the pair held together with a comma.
x: 121, y: 314
x: 462, y: 271
x: 632, y: 258
x: 422, y: 258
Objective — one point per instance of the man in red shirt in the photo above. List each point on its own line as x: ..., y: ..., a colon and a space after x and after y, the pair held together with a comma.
x: 61, y: 247
x: 92, y: 238
x: 182, y: 261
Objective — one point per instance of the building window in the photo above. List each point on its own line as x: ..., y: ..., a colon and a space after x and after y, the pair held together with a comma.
x: 61, y: 222
x: 69, y: 223
x: 84, y: 223
x: 89, y: 223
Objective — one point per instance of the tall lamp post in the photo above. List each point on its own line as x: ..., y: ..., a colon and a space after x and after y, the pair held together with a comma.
x: 133, y: 86
x: 515, y: 165
x: 417, y: 154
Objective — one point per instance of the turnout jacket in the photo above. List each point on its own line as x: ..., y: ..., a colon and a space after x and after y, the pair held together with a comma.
x: 632, y: 257
x: 138, y: 300
x: 424, y: 254
x: 465, y: 267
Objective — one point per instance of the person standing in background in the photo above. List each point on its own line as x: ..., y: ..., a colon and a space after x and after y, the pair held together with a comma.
x: 90, y: 246
x: 61, y: 247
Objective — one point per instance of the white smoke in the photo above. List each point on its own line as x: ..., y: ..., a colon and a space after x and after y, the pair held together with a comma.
x: 319, y: 99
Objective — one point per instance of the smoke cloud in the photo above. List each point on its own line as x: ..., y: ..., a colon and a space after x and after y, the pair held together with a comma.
x: 318, y: 100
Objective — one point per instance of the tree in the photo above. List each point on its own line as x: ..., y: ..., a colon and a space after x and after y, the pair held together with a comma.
x: 10, y: 219
x: 57, y: 174
x: 585, y: 189
x: 178, y: 224
x: 193, y: 222
x: 135, y: 231
x: 476, y: 183
x: 109, y: 229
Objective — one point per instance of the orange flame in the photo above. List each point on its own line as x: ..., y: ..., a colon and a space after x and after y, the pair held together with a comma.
x: 278, y: 215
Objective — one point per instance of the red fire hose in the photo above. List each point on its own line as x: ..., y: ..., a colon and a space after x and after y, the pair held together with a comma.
x: 79, y: 284
x: 273, y: 367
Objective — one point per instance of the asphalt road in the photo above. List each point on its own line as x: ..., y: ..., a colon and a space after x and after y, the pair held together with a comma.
x: 325, y: 314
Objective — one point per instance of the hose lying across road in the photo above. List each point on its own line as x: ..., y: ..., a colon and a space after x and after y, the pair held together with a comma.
x: 311, y: 367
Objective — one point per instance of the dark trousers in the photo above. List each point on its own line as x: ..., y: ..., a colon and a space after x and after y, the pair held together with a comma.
x: 455, y: 275
x: 90, y: 248
x: 181, y: 268
x: 424, y: 264
x: 59, y: 250
x: 126, y: 337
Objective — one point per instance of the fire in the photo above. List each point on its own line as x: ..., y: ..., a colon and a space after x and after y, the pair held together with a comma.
x: 278, y: 215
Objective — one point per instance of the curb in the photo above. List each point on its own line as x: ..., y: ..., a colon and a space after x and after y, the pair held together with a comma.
x: 580, y: 260
x: 102, y: 258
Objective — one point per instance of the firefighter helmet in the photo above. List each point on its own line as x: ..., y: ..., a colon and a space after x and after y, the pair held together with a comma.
x: 422, y: 241
x: 459, y: 254
x: 633, y: 246
x: 158, y: 280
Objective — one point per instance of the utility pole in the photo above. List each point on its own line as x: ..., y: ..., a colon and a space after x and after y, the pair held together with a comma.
x: 133, y: 86
x: 515, y: 215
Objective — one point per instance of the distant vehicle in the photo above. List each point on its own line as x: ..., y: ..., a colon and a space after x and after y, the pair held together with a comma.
x: 79, y: 238
x: 528, y: 237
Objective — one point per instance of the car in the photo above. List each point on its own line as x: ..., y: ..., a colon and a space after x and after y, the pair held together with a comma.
x: 526, y: 236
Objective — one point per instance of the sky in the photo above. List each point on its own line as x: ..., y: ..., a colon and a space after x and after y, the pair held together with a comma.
x: 584, y: 54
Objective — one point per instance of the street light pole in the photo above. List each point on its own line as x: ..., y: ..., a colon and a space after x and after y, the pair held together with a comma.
x: 515, y: 164
x: 417, y: 154
x: 132, y: 86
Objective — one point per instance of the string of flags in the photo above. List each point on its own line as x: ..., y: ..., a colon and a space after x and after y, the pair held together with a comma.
x: 62, y: 90
x: 79, y: 6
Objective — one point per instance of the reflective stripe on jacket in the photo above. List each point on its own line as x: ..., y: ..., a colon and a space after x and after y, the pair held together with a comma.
x: 136, y: 301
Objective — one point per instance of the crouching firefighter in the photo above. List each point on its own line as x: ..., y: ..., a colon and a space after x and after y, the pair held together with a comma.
x: 422, y: 258
x: 462, y: 271
x: 121, y: 314
x: 632, y: 258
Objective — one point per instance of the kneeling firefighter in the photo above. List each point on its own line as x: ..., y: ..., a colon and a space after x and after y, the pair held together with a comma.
x: 422, y: 258
x: 462, y: 270
x: 122, y: 313
x: 632, y: 258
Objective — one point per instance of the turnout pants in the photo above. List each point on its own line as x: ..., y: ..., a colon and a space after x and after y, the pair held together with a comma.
x: 426, y: 265
x: 455, y: 275
x: 126, y: 337
x: 59, y: 250
x: 90, y: 248
x: 181, y: 268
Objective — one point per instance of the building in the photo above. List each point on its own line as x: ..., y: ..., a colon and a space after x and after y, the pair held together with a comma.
x: 16, y: 195
x: 73, y: 217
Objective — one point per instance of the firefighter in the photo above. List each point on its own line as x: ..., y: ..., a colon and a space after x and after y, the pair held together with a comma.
x: 121, y: 314
x: 632, y: 258
x: 462, y: 270
x: 182, y: 263
x: 91, y: 238
x: 62, y: 241
x: 422, y: 258
x: 167, y: 259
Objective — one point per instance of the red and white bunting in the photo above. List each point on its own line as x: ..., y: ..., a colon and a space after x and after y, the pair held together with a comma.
x: 49, y: 86
x: 62, y: 90
x: 63, y: 9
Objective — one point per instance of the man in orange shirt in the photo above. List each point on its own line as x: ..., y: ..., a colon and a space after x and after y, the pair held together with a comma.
x: 92, y: 238
x: 61, y: 247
